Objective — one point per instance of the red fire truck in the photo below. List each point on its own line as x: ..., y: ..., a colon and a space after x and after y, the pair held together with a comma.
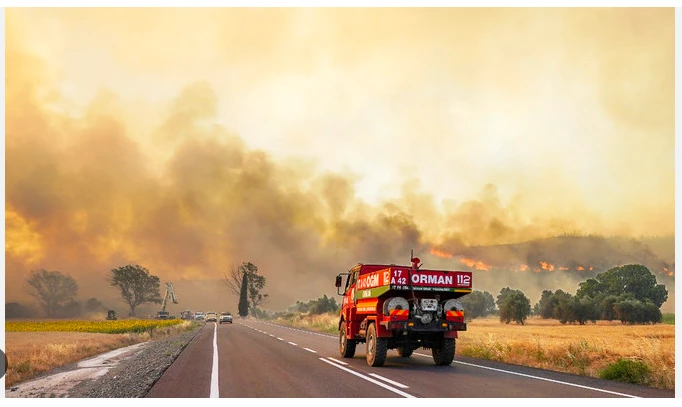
x: 387, y: 306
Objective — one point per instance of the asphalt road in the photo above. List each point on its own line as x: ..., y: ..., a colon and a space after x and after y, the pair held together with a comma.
x: 255, y: 359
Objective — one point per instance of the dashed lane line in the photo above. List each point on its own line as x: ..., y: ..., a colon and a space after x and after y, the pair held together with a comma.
x: 402, y: 386
x: 369, y: 379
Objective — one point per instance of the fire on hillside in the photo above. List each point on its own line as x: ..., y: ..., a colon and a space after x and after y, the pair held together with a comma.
x: 538, y: 267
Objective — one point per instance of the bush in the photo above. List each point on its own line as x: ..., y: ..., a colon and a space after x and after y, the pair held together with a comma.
x: 627, y: 371
x: 668, y: 318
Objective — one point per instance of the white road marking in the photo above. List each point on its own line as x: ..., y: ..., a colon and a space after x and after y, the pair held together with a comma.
x: 337, y: 361
x: 540, y: 378
x: 215, y: 393
x: 291, y: 343
x: 310, y: 350
x: 402, y: 386
x: 462, y: 363
x: 298, y: 330
x: 378, y: 383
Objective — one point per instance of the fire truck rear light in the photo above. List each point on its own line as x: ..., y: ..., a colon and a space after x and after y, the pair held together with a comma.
x: 410, y: 324
x: 444, y: 324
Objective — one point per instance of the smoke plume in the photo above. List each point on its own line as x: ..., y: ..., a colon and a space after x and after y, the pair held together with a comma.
x: 308, y: 140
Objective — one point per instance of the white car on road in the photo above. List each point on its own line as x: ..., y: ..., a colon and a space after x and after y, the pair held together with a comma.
x: 226, y: 317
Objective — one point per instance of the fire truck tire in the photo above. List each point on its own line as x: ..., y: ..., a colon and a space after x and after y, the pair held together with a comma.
x: 405, y: 351
x: 444, y: 352
x: 346, y: 346
x: 376, y: 347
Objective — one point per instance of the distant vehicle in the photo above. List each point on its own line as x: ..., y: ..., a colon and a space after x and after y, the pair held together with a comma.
x: 199, y: 316
x: 226, y: 317
x: 187, y: 315
x: 111, y: 315
x: 211, y: 317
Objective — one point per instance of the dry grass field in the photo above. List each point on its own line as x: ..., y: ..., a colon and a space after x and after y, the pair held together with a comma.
x: 547, y: 344
x: 32, y: 353
x: 583, y: 350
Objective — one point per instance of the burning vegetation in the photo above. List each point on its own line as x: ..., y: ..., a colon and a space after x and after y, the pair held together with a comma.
x: 613, y: 255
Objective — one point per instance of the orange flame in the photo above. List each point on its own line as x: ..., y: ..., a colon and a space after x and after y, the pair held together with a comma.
x: 547, y: 266
x: 440, y: 253
x: 542, y: 265
x: 475, y: 264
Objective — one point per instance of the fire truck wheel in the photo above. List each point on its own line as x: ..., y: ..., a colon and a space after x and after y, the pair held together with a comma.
x: 347, y: 346
x: 444, y: 352
x: 376, y: 347
x: 405, y: 351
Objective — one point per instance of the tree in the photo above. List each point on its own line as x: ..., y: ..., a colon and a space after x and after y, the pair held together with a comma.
x: 256, y: 283
x: 52, y: 290
x: 137, y: 286
x: 633, y: 279
x: 633, y: 311
x: 324, y: 305
x: 585, y: 309
x: 592, y: 287
x: 563, y: 308
x: 546, y: 304
x: 632, y: 286
x: 243, y: 297
x: 606, y: 308
x: 321, y: 305
x: 513, y: 305
x: 502, y: 296
x: 478, y: 304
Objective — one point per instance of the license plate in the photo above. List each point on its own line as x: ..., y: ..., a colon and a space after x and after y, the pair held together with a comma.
x: 429, y: 304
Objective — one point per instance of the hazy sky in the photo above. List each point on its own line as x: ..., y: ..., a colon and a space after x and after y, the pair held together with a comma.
x: 303, y: 139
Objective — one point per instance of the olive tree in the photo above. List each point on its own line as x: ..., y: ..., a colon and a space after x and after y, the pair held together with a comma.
x: 513, y: 306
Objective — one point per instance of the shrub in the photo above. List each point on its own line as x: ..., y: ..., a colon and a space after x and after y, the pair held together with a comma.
x: 627, y: 371
x: 668, y: 318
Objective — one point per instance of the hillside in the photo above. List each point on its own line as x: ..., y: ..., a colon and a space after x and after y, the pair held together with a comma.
x: 581, y: 253
x: 562, y: 262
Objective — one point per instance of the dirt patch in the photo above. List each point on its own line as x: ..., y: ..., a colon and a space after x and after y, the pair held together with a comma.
x: 31, y: 353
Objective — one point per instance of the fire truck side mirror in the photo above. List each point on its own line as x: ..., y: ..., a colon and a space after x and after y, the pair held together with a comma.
x: 338, y: 281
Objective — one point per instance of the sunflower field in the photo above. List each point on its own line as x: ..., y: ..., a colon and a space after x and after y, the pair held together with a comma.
x: 106, y: 327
